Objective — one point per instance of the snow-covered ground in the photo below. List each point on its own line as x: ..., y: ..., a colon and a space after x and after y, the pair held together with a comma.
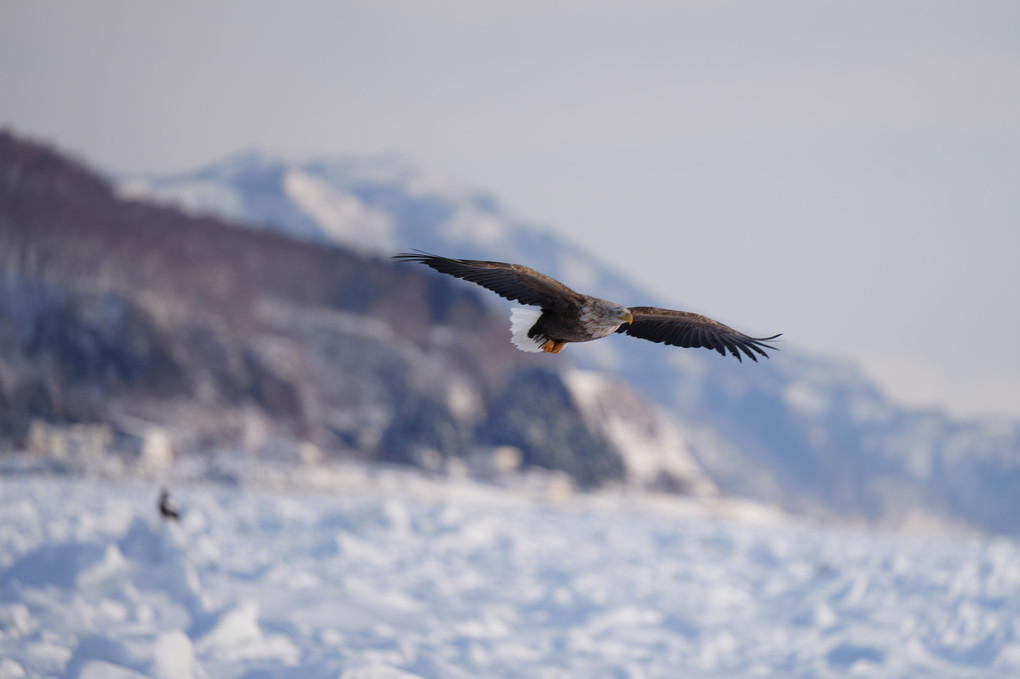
x: 387, y: 575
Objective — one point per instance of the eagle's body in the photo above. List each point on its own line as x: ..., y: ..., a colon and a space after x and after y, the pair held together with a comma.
x: 538, y: 331
x: 568, y: 316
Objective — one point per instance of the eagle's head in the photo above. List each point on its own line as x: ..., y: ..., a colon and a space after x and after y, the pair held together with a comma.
x: 615, y: 313
x: 602, y: 317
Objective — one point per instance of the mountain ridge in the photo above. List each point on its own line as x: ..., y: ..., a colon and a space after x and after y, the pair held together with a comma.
x: 227, y: 337
x: 802, y: 430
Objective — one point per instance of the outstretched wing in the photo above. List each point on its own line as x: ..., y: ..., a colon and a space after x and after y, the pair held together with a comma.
x: 512, y: 281
x: 684, y: 329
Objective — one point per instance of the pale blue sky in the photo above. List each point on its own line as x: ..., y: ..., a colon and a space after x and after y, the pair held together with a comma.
x: 845, y: 172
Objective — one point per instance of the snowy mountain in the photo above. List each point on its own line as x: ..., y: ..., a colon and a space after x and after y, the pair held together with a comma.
x: 374, y: 205
x: 136, y: 327
x: 804, y: 431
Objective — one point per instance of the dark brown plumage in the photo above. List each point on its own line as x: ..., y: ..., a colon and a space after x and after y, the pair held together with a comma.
x: 167, y: 508
x: 568, y: 316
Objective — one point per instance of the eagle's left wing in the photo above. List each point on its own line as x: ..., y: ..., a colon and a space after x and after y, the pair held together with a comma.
x: 685, y: 329
x: 512, y: 281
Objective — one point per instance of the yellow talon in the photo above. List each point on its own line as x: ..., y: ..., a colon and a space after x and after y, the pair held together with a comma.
x: 553, y: 347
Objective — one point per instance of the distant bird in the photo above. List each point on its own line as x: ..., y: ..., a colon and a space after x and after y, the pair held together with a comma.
x: 567, y: 316
x: 167, y: 507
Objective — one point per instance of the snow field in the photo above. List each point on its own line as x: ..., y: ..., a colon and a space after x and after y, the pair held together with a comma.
x: 391, y: 580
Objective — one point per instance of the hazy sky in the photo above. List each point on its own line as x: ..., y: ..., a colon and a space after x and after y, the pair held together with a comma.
x: 847, y: 173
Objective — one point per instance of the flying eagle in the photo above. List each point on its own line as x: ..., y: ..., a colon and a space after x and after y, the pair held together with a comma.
x: 568, y: 316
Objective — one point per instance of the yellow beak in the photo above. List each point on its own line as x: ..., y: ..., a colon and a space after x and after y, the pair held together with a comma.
x: 628, y: 317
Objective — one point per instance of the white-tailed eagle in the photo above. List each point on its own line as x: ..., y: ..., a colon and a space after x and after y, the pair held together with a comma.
x: 567, y: 316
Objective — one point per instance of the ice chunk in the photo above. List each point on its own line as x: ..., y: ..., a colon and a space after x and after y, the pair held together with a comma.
x: 173, y: 657
x: 10, y: 669
x: 100, y: 669
x: 69, y: 564
x: 236, y: 626
x: 377, y: 672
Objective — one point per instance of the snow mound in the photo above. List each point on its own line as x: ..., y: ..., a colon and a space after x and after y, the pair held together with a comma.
x: 377, y: 672
x: 70, y: 565
x: 232, y: 628
x: 163, y: 656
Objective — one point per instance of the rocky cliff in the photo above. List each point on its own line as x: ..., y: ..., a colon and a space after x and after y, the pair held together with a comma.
x: 116, y: 310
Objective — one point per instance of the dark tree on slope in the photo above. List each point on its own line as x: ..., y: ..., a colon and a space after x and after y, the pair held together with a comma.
x: 537, y: 414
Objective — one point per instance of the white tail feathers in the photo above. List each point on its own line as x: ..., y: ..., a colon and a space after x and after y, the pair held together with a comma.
x: 521, y: 321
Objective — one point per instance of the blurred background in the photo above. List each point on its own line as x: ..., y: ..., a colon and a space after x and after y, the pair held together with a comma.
x: 843, y: 173
x: 359, y: 476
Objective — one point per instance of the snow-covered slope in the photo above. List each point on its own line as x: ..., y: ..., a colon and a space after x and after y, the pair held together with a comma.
x: 802, y: 430
x: 387, y: 576
x: 655, y: 451
x: 126, y: 326
x: 378, y: 205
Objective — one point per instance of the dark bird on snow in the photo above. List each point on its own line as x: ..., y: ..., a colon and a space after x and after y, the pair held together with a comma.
x: 167, y: 507
x: 568, y: 316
